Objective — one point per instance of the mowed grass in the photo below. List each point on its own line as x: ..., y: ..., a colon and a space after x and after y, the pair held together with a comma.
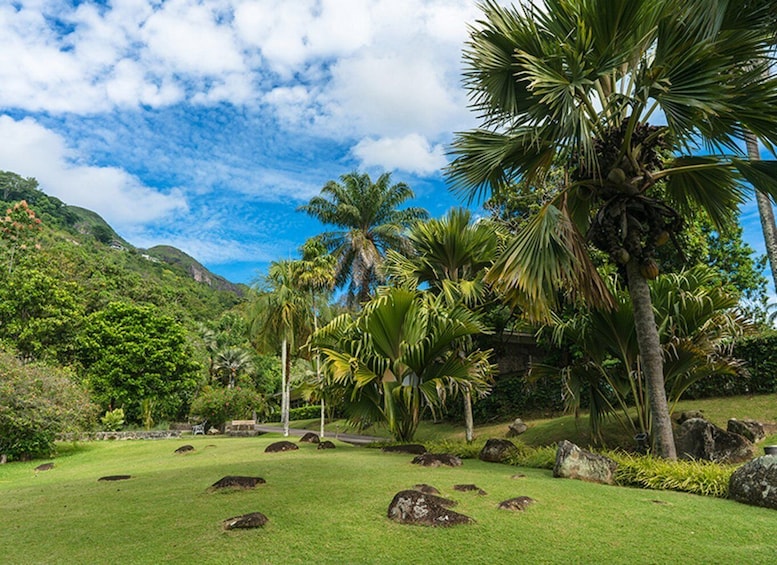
x: 329, y: 506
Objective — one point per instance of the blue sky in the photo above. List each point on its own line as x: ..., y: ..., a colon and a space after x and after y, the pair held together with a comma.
x: 204, y: 124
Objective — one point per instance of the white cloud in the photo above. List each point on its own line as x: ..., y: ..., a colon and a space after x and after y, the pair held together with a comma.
x: 29, y: 149
x: 411, y: 153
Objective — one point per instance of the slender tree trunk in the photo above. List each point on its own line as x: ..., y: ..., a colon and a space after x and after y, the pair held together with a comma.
x: 651, y: 361
x: 765, y: 211
x: 285, y: 389
x: 468, y: 420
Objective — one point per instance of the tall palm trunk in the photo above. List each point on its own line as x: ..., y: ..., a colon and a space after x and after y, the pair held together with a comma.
x: 651, y: 361
x: 285, y: 388
x: 468, y: 420
x: 765, y: 211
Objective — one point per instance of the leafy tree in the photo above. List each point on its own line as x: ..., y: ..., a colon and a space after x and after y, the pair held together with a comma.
x: 577, y: 82
x: 38, y: 402
x: 218, y: 405
x: 18, y: 229
x: 129, y: 353
x: 399, y: 357
x: 369, y: 223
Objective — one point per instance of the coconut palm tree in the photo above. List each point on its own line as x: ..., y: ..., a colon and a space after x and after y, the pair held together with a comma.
x: 369, y: 222
x: 399, y: 357
x: 281, y: 319
x: 451, y: 256
x: 607, y: 89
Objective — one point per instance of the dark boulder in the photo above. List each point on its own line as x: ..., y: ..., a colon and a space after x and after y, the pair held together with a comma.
x: 252, y: 520
x: 310, y: 437
x: 469, y: 488
x: 575, y: 463
x: 699, y: 439
x: 235, y: 481
x: 437, y: 459
x: 414, y: 507
x: 517, y: 504
x: 279, y: 446
x: 752, y: 430
x: 115, y: 478
x: 44, y: 467
x: 185, y: 449
x: 689, y: 414
x: 411, y: 448
x: 326, y: 444
x: 496, y: 450
x: 755, y: 483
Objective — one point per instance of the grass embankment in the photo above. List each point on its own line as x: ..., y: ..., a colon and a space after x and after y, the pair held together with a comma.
x: 330, y: 507
x: 547, y: 431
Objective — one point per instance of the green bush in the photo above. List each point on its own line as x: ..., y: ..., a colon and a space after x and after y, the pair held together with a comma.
x: 113, y: 420
x: 307, y: 412
x: 36, y: 404
x: 219, y: 405
x: 696, y: 477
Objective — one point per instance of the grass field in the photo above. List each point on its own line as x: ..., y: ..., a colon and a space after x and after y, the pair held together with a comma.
x: 330, y: 506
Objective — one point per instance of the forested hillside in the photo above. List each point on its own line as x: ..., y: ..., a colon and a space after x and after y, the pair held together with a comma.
x: 126, y: 323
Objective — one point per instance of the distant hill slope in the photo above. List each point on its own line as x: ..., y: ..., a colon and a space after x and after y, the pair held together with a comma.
x: 199, y: 273
x: 80, y: 221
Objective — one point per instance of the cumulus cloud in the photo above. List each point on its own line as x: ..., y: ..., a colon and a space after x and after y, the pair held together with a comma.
x: 122, y: 199
x: 411, y: 153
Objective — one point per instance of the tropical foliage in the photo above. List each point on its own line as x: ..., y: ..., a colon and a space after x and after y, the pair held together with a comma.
x: 369, y: 223
x: 401, y: 357
x: 698, y: 323
x: 577, y: 83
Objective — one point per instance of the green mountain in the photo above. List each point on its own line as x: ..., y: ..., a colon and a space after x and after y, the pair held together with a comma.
x: 82, y: 227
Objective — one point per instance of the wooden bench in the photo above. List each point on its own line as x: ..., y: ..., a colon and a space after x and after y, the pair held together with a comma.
x: 242, y: 428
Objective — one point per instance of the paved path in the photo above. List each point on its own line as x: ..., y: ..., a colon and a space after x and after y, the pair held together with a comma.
x: 349, y: 438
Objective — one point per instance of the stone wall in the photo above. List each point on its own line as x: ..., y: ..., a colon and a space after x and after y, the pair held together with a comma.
x: 102, y: 436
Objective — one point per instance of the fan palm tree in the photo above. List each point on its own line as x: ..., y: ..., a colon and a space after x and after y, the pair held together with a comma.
x: 369, y: 223
x: 451, y: 256
x: 229, y: 362
x: 281, y: 319
x: 399, y: 357
x: 577, y: 83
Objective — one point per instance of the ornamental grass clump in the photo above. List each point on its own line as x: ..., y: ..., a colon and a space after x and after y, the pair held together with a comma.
x: 696, y: 477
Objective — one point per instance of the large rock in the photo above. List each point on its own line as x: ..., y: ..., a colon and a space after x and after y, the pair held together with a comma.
x: 437, y: 459
x: 310, y: 437
x: 699, y: 439
x: 414, y: 507
x: 326, y: 444
x: 755, y: 483
x: 280, y: 446
x: 237, y: 482
x: 689, y: 414
x: 496, y: 450
x: 575, y: 463
x: 752, y: 430
x: 516, y: 428
x: 517, y: 504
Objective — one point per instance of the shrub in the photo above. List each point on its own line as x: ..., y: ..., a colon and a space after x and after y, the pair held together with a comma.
x: 307, y: 412
x: 36, y: 404
x: 218, y: 405
x: 113, y: 420
x: 696, y: 477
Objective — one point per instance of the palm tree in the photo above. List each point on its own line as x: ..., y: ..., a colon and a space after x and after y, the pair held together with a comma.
x: 369, y: 223
x: 229, y: 362
x: 451, y: 256
x: 399, y: 358
x: 281, y: 319
x: 576, y: 83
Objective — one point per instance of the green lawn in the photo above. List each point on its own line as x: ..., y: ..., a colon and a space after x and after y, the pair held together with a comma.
x: 330, y: 506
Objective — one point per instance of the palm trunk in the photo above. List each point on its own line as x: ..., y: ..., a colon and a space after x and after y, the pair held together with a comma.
x: 468, y: 420
x: 651, y: 361
x: 285, y: 389
x: 765, y: 211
